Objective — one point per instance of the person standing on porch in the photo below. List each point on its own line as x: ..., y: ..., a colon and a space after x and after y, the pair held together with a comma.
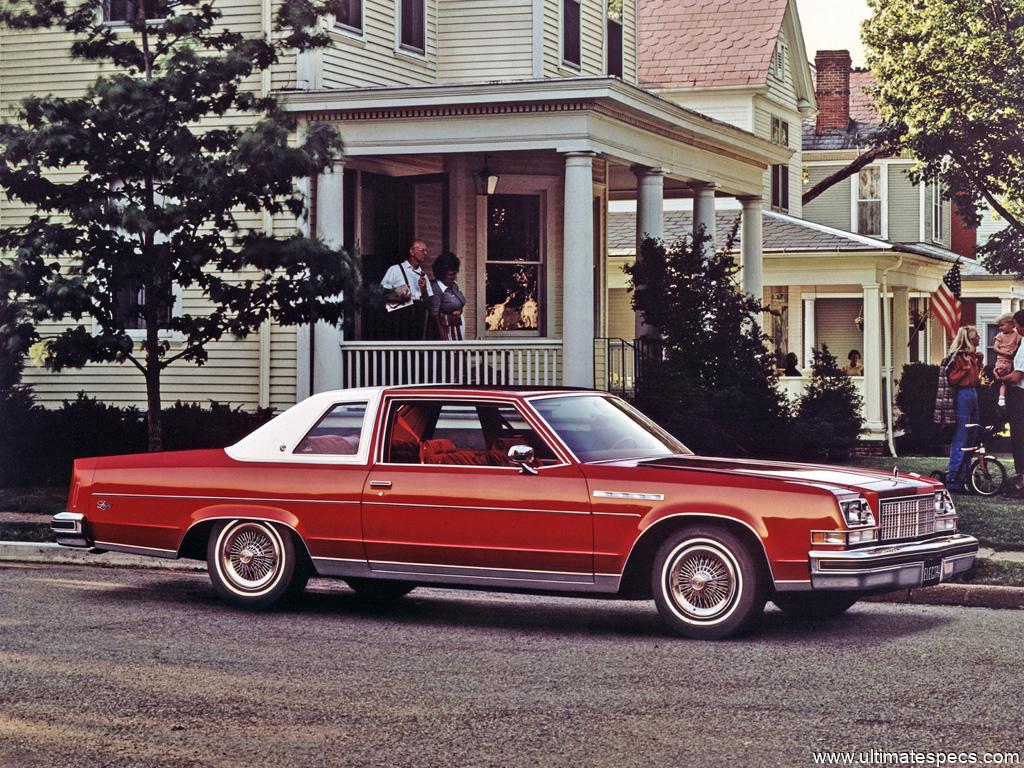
x: 1014, y: 381
x: 956, y: 399
x: 448, y: 301
x: 407, y: 295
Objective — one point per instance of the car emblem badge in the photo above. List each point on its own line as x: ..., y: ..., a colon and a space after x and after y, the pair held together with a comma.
x: 103, y: 504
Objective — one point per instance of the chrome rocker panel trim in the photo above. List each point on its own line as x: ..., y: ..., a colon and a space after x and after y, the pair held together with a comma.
x: 68, y: 529
x: 895, y: 566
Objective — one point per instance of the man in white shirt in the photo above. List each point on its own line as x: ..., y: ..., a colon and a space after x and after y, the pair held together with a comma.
x: 1015, y: 401
x: 407, y: 293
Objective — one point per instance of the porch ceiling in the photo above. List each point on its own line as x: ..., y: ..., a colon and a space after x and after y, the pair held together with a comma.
x: 618, y: 121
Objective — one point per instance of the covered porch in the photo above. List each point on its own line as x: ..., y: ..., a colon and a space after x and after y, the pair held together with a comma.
x: 515, y: 179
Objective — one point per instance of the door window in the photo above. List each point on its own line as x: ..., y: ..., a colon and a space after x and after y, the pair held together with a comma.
x: 462, y: 433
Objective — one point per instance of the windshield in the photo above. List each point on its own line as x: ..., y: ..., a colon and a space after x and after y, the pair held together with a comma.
x: 598, y: 428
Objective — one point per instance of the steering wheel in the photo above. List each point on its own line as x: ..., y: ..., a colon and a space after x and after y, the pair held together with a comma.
x: 624, y: 442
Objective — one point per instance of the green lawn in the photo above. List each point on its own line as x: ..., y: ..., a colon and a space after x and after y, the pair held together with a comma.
x: 996, y: 522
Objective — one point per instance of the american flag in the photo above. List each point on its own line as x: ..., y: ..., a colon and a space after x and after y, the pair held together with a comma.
x: 946, y: 304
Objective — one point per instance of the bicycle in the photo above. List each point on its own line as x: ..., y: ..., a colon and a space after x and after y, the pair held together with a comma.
x: 980, y: 471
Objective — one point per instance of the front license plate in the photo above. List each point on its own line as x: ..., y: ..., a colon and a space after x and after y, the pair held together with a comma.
x: 932, y: 574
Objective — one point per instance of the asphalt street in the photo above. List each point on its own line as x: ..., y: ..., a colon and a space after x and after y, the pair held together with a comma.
x: 120, y: 667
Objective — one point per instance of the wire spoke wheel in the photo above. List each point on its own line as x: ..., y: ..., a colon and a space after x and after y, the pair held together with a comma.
x: 703, y: 582
x: 987, y: 477
x: 251, y: 562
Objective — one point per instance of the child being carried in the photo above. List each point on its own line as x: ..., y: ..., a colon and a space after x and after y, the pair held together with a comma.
x: 1006, y: 343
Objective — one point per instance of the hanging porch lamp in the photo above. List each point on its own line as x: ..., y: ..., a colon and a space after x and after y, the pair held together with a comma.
x: 486, y: 179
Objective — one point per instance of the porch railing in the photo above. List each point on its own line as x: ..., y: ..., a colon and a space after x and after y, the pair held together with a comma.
x: 532, y: 362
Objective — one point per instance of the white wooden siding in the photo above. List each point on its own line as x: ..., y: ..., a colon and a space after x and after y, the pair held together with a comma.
x: 831, y: 207
x: 592, y: 32
x: 484, y: 40
x: 904, y: 205
x: 629, y: 57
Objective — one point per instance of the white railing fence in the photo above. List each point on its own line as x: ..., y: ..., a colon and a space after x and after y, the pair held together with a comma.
x: 534, y: 362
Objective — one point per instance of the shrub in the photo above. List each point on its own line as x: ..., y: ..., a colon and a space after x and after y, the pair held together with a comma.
x: 828, y: 416
x: 916, y: 401
x: 39, y: 445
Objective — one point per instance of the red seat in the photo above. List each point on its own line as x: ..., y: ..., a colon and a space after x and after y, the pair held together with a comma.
x: 442, y: 451
x: 338, y: 445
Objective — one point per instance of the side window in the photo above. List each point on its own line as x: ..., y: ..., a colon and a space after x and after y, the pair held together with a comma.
x: 337, y: 433
x: 460, y: 433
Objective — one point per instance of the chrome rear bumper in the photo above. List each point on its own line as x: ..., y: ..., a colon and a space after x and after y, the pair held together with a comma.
x: 69, y: 529
x: 910, y: 564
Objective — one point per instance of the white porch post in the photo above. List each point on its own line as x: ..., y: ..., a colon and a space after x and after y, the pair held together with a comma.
x: 808, y: 331
x: 872, y: 359
x: 704, y: 211
x: 1006, y: 306
x: 751, y: 245
x: 650, y: 218
x: 900, y: 330
x: 327, y: 338
x: 578, y: 281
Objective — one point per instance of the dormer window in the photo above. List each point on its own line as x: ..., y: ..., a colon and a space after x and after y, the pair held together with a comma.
x: 571, y: 44
x: 349, y: 14
x: 412, y: 25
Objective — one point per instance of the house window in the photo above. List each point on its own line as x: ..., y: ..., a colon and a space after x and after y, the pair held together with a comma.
x: 514, y: 268
x: 571, y: 33
x: 130, y: 303
x: 349, y: 14
x: 869, y: 201
x: 412, y: 26
x: 126, y: 11
x: 779, y: 61
x: 780, y: 187
x: 938, y: 230
x: 780, y: 131
x: 613, y: 28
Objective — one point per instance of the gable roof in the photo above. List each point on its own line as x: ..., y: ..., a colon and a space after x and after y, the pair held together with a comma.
x: 707, y: 43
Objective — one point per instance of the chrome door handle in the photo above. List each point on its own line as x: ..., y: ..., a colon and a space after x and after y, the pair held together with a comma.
x: 380, y: 483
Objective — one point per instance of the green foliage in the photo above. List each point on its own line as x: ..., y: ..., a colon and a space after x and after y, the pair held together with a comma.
x: 40, y: 444
x: 713, y: 383
x: 158, y: 200
x: 828, y: 416
x: 951, y: 84
x: 915, y: 398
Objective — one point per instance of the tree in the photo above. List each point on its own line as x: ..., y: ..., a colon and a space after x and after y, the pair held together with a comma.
x: 713, y: 382
x: 951, y: 84
x: 155, y: 204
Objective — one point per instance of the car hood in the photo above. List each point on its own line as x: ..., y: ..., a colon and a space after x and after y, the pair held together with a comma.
x: 835, y: 478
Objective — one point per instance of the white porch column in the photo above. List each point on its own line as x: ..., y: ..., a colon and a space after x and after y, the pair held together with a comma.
x: 704, y: 211
x: 808, y: 332
x: 578, y: 266
x: 1005, y: 306
x: 900, y: 330
x: 1014, y: 305
x: 751, y: 245
x: 327, y: 338
x: 872, y: 359
x: 650, y: 218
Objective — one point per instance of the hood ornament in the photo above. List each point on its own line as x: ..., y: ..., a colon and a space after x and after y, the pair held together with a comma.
x: 895, y: 470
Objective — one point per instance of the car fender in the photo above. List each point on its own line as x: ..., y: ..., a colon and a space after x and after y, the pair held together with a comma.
x: 236, y: 511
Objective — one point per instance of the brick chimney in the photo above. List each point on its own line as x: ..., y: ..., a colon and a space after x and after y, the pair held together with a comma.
x: 833, y: 90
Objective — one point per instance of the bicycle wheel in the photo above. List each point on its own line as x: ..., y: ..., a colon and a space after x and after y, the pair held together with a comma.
x: 987, y: 477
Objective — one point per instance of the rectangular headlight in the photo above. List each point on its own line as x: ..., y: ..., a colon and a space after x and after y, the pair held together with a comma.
x: 857, y: 513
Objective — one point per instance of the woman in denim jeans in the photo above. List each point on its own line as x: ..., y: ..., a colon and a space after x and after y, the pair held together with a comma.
x: 958, y: 375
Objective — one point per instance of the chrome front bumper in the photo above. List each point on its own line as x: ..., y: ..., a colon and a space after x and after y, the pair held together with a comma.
x: 69, y: 529
x: 895, y: 566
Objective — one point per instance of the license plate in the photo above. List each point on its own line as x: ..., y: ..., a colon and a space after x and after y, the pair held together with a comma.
x: 932, y: 574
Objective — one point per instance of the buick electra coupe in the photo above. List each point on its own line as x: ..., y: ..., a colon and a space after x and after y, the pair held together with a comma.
x: 558, y: 491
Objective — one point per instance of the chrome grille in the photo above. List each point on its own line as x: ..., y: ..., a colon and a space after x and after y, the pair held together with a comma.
x: 907, y: 517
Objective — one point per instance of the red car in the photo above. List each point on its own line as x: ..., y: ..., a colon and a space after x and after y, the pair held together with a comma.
x: 561, y: 491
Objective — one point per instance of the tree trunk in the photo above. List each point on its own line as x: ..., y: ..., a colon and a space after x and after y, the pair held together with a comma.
x: 153, y: 369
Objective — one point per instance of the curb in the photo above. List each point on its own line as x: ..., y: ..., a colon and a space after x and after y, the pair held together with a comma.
x: 957, y: 595
x: 34, y: 552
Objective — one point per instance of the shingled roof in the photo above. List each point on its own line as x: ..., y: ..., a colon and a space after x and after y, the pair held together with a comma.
x: 864, y: 119
x: 707, y: 43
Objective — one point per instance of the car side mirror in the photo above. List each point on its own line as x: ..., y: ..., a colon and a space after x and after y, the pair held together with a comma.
x: 524, y: 457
